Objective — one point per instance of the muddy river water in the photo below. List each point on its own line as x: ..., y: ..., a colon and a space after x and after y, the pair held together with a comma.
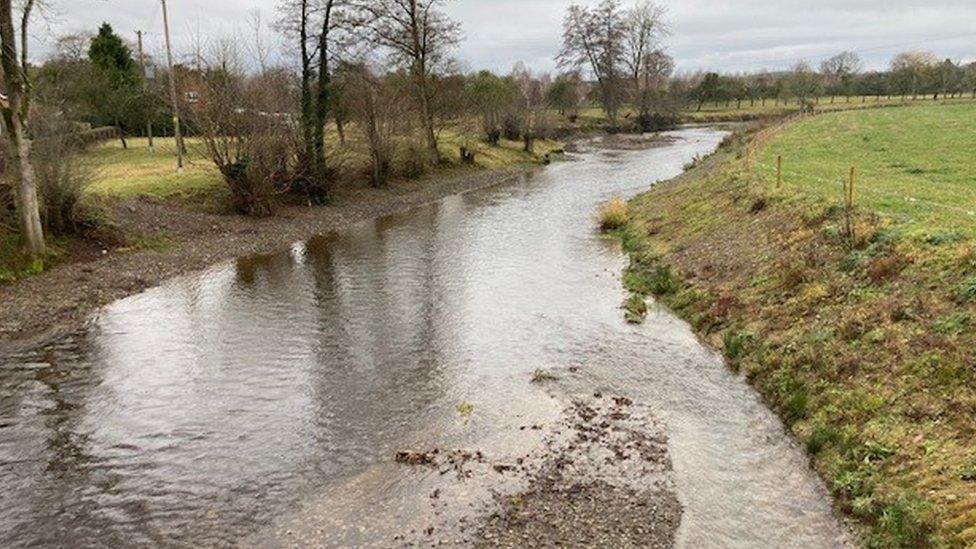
x: 201, y: 412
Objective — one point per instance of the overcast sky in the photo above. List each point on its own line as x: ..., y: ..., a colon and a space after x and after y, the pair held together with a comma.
x: 729, y: 35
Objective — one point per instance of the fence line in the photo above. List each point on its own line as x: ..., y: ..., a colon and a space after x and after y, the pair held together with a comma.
x: 869, y: 190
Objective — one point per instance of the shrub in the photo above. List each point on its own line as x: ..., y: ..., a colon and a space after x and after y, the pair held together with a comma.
x: 416, y: 159
x: 613, y: 215
x: 881, y: 269
x: 258, y: 154
x: 796, y: 406
x: 941, y: 239
x: 62, y: 177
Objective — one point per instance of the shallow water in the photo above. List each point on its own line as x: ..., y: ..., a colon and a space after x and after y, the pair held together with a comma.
x: 200, y: 412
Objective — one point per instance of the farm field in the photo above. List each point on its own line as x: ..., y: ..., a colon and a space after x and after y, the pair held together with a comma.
x: 915, y: 165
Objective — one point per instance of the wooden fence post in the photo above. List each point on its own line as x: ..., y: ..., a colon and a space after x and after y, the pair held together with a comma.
x: 850, y: 188
x: 779, y: 171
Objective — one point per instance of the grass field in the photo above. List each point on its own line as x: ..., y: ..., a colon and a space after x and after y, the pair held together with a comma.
x: 134, y: 171
x: 863, y: 340
x: 916, y: 165
x: 592, y: 116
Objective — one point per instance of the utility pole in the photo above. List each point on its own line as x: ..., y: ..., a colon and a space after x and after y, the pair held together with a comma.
x: 145, y: 82
x: 172, y: 93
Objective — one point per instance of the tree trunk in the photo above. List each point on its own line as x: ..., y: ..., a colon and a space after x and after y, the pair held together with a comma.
x: 118, y: 127
x: 15, y: 117
x: 428, y: 119
x: 28, y: 206
x: 341, y: 128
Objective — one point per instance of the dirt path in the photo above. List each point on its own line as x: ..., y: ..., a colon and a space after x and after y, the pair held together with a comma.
x: 38, y: 308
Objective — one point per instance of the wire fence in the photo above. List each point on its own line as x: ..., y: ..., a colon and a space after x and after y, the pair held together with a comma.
x: 850, y: 185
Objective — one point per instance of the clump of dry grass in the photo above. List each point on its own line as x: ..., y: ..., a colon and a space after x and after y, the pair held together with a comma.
x: 613, y: 215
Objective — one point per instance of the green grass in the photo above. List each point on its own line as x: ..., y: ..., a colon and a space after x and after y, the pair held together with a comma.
x: 592, y: 116
x: 137, y: 171
x: 914, y: 164
x: 864, y: 343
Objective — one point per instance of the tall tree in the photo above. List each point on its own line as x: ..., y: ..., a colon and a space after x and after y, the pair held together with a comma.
x: 802, y: 84
x: 117, y: 96
x: 15, y: 109
x: 315, y: 24
x: 910, y: 71
x: 490, y: 96
x: 840, y: 72
x: 564, y: 94
x: 421, y: 37
x: 531, y: 104
x: 709, y: 89
x: 596, y: 40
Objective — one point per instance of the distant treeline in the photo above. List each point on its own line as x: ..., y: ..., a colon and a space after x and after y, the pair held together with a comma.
x: 911, y: 74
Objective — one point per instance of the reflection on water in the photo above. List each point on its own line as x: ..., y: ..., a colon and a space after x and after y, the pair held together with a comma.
x: 198, y: 411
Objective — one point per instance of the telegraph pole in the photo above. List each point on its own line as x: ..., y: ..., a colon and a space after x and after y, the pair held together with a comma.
x: 172, y: 93
x: 142, y: 67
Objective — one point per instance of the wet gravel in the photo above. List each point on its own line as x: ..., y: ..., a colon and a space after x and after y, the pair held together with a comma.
x: 606, y: 485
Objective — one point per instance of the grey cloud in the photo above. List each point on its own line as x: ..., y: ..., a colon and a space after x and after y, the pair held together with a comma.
x: 733, y: 35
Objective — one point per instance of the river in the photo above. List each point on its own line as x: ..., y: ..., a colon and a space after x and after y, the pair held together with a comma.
x: 199, y: 412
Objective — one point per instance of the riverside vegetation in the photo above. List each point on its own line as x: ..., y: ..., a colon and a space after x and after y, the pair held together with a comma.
x: 856, y: 325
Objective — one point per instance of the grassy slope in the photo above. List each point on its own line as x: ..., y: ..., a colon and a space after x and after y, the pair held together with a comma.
x: 864, y: 343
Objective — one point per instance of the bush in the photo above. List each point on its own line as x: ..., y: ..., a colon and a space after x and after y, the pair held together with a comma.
x: 415, y: 159
x: 257, y: 176
x: 62, y: 177
x: 662, y: 281
x: 613, y: 215
x: 256, y: 153
x: 656, y: 122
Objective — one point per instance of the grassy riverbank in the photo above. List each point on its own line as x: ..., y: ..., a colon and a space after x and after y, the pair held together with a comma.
x: 855, y: 325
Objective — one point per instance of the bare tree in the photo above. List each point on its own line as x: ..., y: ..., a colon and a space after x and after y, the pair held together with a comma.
x: 840, y: 72
x: 258, y: 45
x: 596, y: 40
x: 15, y: 108
x: 648, y: 64
x: 802, y: 83
x: 531, y: 105
x: 910, y: 70
x: 315, y: 24
x: 421, y: 38
x: 248, y: 142
x: 377, y: 107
